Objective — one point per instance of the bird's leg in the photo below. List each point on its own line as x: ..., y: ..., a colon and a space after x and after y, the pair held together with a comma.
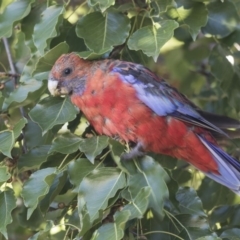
x: 137, y: 151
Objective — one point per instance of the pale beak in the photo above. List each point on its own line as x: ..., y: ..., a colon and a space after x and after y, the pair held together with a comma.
x: 55, y: 89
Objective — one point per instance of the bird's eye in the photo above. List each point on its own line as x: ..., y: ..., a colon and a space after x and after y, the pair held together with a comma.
x: 67, y: 71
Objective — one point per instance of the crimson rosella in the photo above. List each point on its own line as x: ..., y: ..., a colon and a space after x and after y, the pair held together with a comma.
x: 127, y: 101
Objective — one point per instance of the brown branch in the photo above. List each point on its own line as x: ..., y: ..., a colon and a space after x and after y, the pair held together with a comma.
x: 15, y: 77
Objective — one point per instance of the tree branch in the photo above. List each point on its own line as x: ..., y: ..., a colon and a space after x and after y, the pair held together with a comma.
x: 14, y: 75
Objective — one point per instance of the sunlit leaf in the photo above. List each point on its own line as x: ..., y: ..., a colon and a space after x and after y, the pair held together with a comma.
x: 193, y: 14
x: 46, y: 29
x: 103, y: 32
x: 103, y: 4
x: 150, y: 39
x: 160, y: 6
x: 12, y: 13
x: 43, y: 233
x: 91, y: 55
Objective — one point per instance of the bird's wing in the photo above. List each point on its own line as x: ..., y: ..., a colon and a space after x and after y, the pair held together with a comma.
x: 163, y: 99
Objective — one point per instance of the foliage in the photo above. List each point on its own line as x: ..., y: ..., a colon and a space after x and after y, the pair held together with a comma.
x: 59, y: 180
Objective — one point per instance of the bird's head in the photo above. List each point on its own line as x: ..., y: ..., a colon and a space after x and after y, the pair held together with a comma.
x: 68, y: 75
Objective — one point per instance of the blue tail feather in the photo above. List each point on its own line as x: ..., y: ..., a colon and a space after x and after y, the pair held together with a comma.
x: 228, y: 167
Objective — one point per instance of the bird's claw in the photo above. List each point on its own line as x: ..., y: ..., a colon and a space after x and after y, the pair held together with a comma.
x: 137, y: 151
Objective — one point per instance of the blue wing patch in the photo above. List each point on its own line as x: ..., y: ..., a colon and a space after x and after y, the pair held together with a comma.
x: 163, y: 99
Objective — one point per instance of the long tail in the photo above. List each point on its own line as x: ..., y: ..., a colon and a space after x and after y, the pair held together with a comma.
x: 228, y: 167
x: 229, y: 125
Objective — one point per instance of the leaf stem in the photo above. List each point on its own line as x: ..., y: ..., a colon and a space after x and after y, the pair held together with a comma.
x: 105, y: 155
x: 164, y: 232
x: 66, y: 234
x: 63, y: 161
x: 169, y: 214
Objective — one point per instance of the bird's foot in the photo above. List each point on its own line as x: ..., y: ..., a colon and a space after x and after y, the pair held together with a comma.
x: 137, y: 151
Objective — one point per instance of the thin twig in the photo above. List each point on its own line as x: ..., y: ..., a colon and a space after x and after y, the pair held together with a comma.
x: 15, y: 74
x: 9, y: 56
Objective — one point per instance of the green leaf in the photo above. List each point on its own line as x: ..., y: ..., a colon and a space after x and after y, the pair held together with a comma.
x: 22, y: 51
x: 194, y: 226
x: 137, y: 57
x: 47, y: 28
x: 33, y: 222
x: 93, y: 146
x: 231, y: 234
x: 160, y: 6
x: 209, y: 238
x: 103, y: 183
x: 7, y: 137
x: 28, y: 23
x: 33, y: 135
x: 221, y: 68
x: 223, y: 18
x: 190, y: 13
x: 55, y: 188
x: 152, y: 175
x: 43, y: 234
x: 139, y: 203
x: 115, y: 230
x: 36, y: 187
x: 33, y: 158
x: 73, y: 219
x: 12, y: 13
x: 79, y: 169
x: 7, y: 204
x: 90, y: 55
x: 4, y: 174
x: 189, y: 202
x: 52, y: 111
x: 66, y: 143
x: 45, y: 63
x: 28, y: 69
x: 150, y: 39
x: 103, y: 4
x: 21, y: 93
x: 103, y: 32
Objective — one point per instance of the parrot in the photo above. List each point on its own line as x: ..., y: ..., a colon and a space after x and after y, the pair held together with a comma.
x: 127, y: 101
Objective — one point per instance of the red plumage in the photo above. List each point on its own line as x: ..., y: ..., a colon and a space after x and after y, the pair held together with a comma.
x: 129, y: 102
x: 131, y: 120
